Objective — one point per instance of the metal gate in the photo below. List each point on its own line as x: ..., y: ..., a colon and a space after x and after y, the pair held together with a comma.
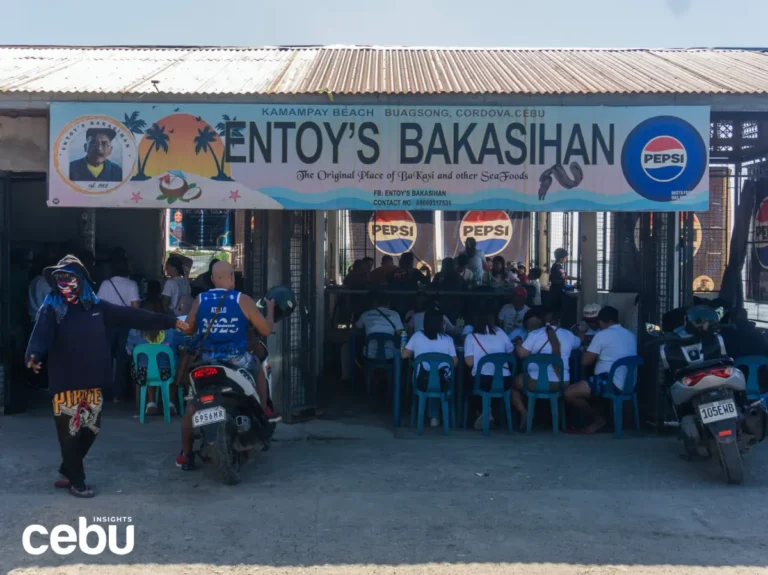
x: 299, y: 379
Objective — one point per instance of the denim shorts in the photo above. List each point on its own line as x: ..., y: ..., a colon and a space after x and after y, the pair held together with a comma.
x: 599, y: 385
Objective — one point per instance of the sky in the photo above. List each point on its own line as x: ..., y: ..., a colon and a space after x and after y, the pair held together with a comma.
x: 480, y: 23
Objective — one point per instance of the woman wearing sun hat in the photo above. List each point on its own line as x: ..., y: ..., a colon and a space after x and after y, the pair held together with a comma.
x: 71, y: 332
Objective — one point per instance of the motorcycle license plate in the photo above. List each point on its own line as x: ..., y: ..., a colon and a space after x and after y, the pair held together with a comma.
x: 211, y: 415
x: 717, y: 411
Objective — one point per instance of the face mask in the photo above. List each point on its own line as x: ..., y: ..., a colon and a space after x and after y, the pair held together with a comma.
x: 68, y: 288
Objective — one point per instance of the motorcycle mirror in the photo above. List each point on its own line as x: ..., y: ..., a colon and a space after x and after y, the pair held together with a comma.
x: 652, y: 329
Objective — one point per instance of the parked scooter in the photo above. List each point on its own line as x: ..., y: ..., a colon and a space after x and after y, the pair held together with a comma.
x: 229, y: 422
x: 708, y: 393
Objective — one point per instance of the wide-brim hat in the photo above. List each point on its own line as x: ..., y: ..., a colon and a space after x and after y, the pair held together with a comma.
x: 69, y: 264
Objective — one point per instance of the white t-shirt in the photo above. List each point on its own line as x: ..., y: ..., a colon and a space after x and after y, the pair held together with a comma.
x: 537, y: 342
x: 537, y: 294
x: 467, y: 275
x: 493, y: 343
x: 611, y: 345
x: 416, y: 323
x: 475, y: 264
x: 374, y: 322
x: 119, y: 287
x: 420, y: 344
x: 511, y: 318
x: 175, y: 289
x: 38, y: 291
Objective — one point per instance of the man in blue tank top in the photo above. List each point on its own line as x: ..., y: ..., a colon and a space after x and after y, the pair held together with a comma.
x: 227, y: 340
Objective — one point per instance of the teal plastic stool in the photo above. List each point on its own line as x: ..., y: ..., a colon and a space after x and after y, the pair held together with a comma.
x: 543, y: 361
x: 151, y: 351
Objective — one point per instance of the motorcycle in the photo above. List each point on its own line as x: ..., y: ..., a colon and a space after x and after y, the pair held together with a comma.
x: 229, y: 423
x: 708, y: 397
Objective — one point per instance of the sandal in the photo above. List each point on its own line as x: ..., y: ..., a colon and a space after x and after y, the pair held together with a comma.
x: 86, y: 493
x: 151, y: 408
x: 64, y: 483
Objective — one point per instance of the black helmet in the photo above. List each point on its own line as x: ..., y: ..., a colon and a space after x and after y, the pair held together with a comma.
x: 285, y: 301
x: 701, y: 319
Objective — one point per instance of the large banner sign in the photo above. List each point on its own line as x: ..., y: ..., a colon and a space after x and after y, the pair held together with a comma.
x: 378, y: 157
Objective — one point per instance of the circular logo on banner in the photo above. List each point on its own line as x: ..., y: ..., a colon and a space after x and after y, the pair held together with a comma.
x: 491, y: 229
x: 95, y: 154
x: 760, y: 237
x: 392, y: 232
x: 703, y: 283
x: 663, y: 158
x: 698, y: 235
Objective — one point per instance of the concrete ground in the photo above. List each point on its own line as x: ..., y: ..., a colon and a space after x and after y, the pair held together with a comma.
x: 336, y: 498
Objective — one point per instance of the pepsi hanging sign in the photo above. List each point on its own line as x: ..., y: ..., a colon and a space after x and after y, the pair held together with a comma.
x: 664, y: 158
x: 492, y: 230
x: 393, y: 233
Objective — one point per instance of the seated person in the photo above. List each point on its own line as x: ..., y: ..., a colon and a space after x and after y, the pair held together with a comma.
x: 378, y: 277
x: 512, y: 314
x: 431, y: 339
x: 169, y: 338
x: 357, y: 278
x: 462, y: 263
x: 484, y: 339
x: 531, y: 322
x: 498, y: 276
x: 228, y: 344
x: 588, y: 326
x: 414, y: 320
x: 522, y: 275
x: 550, y: 339
x: 610, y: 344
x: 380, y: 319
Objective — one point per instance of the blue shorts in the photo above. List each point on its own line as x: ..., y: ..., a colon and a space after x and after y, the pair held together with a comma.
x: 599, y: 385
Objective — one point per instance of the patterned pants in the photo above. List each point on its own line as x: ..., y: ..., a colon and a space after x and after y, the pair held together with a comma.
x: 77, y: 415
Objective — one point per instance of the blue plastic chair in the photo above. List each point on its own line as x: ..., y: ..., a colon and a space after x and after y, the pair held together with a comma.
x: 151, y: 351
x: 380, y: 361
x: 753, y: 363
x: 543, y: 361
x: 433, y: 391
x: 498, y: 360
x: 628, y: 393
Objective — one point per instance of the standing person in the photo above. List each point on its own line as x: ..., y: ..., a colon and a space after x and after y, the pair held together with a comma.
x: 485, y: 339
x: 431, y: 340
x: 550, y: 339
x: 511, y: 316
x: 378, y: 277
x: 475, y: 259
x: 121, y: 291
x: 176, y: 286
x: 557, y: 279
x: 610, y: 344
x: 204, y: 281
x: 522, y: 275
x: 71, y: 332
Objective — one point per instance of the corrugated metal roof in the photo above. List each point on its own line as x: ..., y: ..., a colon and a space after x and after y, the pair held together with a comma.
x: 371, y: 70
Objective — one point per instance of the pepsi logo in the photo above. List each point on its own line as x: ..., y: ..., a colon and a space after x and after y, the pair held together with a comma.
x: 491, y: 229
x: 664, y: 159
x: 392, y: 232
x: 760, y: 234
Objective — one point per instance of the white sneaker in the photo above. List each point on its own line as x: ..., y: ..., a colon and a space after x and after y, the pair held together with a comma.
x: 434, y: 422
x: 479, y: 422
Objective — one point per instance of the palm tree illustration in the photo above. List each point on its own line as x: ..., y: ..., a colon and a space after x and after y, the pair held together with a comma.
x: 203, y: 141
x: 134, y: 123
x: 158, y: 141
x: 221, y: 128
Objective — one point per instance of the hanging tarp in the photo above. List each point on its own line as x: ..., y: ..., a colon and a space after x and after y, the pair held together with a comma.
x: 496, y: 232
x: 375, y: 234
x: 379, y: 157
